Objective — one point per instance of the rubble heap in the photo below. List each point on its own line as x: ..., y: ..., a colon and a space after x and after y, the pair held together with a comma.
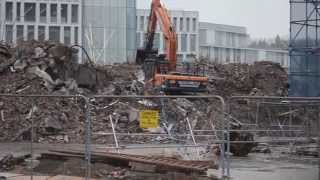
x: 50, y: 68
x: 262, y: 78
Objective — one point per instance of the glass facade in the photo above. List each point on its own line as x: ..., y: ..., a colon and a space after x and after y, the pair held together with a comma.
x: 110, y: 30
x: 33, y: 20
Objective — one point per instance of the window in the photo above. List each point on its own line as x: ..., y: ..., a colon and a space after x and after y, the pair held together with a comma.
x: 175, y: 23
x: 216, y: 55
x: 43, y: 12
x: 41, y: 33
x: 233, y: 40
x: 188, y: 24
x: 156, y: 42
x: 228, y: 39
x: 67, y: 35
x: 282, y: 60
x: 164, y: 43
x: 141, y: 23
x: 9, y: 11
x: 218, y: 38
x: 194, y: 24
x: 20, y: 31
x: 75, y: 13
x: 228, y: 55
x: 54, y: 33
x: 184, y: 42
x: 238, y: 59
x: 18, y: 18
x: 181, y: 24
x: 30, y: 30
x: 53, y: 13
x: 179, y: 58
x: 64, y: 13
x: 9, y: 33
x: 30, y: 12
x: 193, y: 41
x: 145, y: 39
x: 76, y: 32
x: 138, y: 36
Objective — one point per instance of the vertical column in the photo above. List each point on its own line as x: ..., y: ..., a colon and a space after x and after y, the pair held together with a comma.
x: 58, y: 13
x: 46, y: 32
x: 80, y: 22
x: 14, y: 33
x: 14, y: 13
x: 37, y: 12
x: 69, y: 13
x: 72, y: 35
x: 188, y: 43
x: 161, y: 42
x: 61, y: 34
x: 36, y: 32
x: 48, y: 13
x: 232, y: 55
x: 25, y: 32
x: 178, y: 24
x: 197, y: 37
x: 179, y: 43
x: 22, y: 13
x: 81, y: 14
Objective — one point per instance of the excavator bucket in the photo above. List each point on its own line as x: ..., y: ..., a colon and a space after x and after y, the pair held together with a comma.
x: 141, y: 56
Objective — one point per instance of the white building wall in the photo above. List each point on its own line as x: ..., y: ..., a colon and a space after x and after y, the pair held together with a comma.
x: 228, y: 44
x: 188, y: 37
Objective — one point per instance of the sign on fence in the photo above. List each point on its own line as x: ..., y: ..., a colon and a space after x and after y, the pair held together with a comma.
x: 149, y: 119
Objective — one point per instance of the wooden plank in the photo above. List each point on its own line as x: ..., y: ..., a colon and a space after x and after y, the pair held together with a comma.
x: 174, y: 164
x: 142, y: 167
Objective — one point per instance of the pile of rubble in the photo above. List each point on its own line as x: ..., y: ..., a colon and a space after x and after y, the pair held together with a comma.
x: 262, y: 78
x: 50, y: 68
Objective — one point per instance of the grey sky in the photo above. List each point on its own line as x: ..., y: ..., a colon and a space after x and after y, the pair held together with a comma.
x: 263, y: 18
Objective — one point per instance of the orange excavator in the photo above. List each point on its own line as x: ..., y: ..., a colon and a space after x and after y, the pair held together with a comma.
x: 161, y: 70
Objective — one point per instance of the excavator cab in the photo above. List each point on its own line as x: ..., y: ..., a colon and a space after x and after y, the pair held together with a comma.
x: 188, y: 77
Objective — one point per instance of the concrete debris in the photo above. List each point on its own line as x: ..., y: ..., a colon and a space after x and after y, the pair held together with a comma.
x: 311, y: 150
x: 8, y: 162
x: 262, y: 148
x: 262, y: 78
x: 242, y: 149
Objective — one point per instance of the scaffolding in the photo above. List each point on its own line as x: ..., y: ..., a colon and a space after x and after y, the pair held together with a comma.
x: 304, y: 48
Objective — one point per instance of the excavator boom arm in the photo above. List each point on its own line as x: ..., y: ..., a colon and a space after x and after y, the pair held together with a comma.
x: 159, y: 13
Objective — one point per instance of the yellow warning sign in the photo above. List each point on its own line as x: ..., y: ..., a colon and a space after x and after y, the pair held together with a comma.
x: 149, y: 119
